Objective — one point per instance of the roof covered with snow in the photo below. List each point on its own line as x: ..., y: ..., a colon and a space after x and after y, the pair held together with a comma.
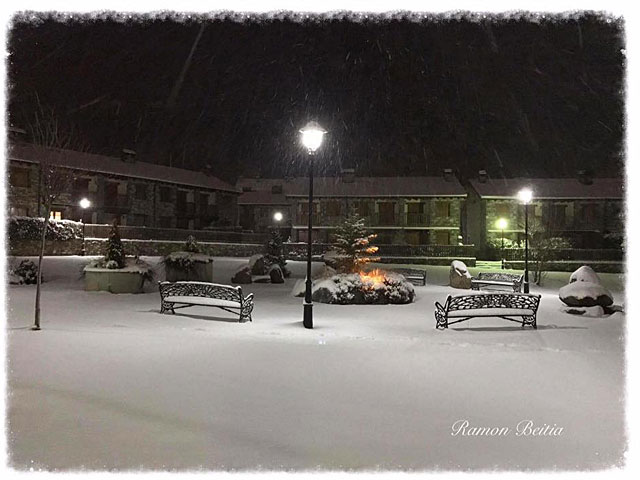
x: 551, y: 188
x: 359, y: 186
x: 114, y: 166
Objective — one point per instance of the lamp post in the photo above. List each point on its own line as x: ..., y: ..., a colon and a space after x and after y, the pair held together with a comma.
x: 502, y: 224
x: 312, y: 135
x: 525, y: 195
x: 84, y: 204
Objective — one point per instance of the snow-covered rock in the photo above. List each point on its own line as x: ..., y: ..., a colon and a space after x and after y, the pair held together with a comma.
x: 350, y: 289
x: 298, y: 289
x: 332, y: 259
x: 584, y: 274
x: 585, y: 294
x: 15, y: 279
x: 276, y: 274
x: 242, y: 275
x: 325, y: 271
x: 459, y: 276
x: 258, y: 265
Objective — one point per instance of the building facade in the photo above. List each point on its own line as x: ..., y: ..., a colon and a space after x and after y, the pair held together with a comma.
x: 122, y: 189
x: 400, y: 210
x: 586, y: 211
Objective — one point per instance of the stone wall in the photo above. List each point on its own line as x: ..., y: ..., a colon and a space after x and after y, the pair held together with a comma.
x: 161, y: 248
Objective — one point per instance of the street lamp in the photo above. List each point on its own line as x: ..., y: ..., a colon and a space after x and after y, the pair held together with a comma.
x: 278, y: 216
x: 502, y: 224
x: 312, y: 135
x: 84, y: 204
x: 525, y: 195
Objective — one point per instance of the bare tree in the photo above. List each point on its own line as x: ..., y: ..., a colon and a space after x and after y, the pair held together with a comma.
x: 45, y: 131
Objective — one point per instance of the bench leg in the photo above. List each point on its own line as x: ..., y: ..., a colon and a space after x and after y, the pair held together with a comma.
x: 166, y: 306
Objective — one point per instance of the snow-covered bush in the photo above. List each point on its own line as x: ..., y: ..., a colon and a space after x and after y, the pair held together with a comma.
x: 192, y: 245
x: 29, y: 228
x: 27, y: 272
x: 353, y: 288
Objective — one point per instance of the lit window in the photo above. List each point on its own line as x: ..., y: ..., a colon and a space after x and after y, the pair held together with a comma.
x: 55, y: 215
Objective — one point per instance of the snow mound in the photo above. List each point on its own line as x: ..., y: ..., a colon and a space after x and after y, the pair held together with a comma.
x: 584, y: 274
x: 585, y: 294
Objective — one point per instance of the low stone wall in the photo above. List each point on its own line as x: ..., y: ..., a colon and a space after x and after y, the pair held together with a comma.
x: 97, y: 246
x: 571, y: 265
x: 30, y: 248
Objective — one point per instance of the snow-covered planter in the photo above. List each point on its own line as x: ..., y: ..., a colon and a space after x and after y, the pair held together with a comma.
x: 188, y: 266
x: 355, y: 289
x: 101, y: 275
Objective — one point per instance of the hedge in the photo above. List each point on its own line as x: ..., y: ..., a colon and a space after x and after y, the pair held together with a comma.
x: 29, y: 228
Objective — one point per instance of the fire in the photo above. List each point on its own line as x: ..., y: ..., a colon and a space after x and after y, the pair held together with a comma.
x: 375, y: 276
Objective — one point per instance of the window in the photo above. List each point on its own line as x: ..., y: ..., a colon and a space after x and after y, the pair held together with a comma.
x: 588, y: 212
x: 141, y: 191
x: 558, y: 218
x: 362, y: 208
x: 165, y: 194
x: 81, y: 185
x: 19, y: 211
x: 182, y: 222
x: 19, y: 177
x: 415, y: 214
x: 443, y: 209
x: 386, y: 213
x: 55, y: 215
x: 333, y: 208
x: 165, y: 221
x: 276, y: 189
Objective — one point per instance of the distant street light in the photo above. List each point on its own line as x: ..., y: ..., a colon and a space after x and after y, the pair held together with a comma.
x: 278, y: 216
x: 525, y: 195
x: 84, y: 204
x: 312, y: 135
x: 502, y: 224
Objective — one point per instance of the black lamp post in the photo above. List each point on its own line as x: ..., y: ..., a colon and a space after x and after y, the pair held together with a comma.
x: 525, y: 195
x: 502, y: 224
x: 84, y: 204
x: 312, y: 135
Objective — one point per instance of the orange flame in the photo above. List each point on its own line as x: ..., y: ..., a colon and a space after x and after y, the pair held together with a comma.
x: 375, y: 276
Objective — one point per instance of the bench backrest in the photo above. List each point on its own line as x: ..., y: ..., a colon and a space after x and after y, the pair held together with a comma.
x: 201, y: 289
x: 494, y: 300
x: 413, y: 272
x: 500, y: 276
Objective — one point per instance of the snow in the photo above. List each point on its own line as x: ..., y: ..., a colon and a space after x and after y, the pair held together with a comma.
x: 196, y: 257
x: 132, y: 266
x: 461, y: 268
x: 584, y: 274
x: 110, y: 383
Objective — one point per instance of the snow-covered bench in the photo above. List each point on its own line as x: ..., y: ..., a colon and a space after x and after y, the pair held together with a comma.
x: 413, y: 275
x: 187, y: 294
x: 497, y: 279
x: 503, y: 305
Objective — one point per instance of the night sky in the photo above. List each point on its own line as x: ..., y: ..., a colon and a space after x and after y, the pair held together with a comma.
x: 399, y: 96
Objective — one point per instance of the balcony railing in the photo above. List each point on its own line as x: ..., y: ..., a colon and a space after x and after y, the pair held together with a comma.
x: 416, y: 219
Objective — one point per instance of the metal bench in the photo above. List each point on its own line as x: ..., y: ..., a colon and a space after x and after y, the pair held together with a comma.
x: 188, y: 294
x: 503, y: 305
x: 497, y: 279
x: 413, y: 275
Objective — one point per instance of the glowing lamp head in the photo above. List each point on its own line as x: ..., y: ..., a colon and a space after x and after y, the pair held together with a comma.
x: 85, y: 203
x: 502, y: 223
x: 312, y: 135
x: 525, y: 195
x: 278, y: 216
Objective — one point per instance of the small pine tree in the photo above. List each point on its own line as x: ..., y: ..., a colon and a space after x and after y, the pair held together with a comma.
x: 275, y: 251
x: 192, y: 245
x: 353, y: 244
x: 114, y: 257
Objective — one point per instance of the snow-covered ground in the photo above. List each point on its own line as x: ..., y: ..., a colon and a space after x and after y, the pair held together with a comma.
x: 110, y: 383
